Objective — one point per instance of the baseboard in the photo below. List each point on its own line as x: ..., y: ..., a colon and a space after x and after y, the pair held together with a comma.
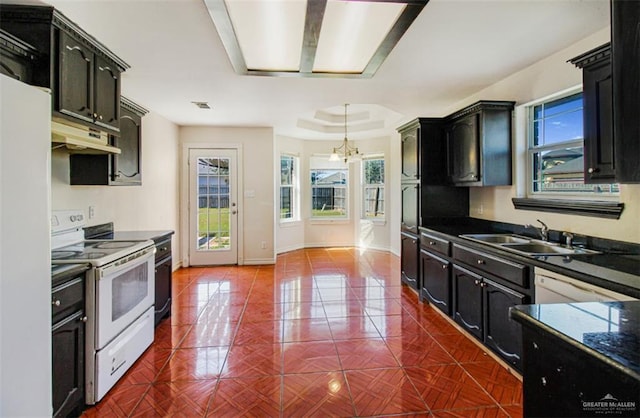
x: 259, y: 261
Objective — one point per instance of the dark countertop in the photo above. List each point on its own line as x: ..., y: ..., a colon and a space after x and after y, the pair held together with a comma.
x: 616, y: 269
x: 609, y: 331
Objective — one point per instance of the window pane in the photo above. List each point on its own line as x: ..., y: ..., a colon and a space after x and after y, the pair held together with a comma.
x: 565, y: 104
x: 373, y: 188
x: 286, y: 170
x: 329, y: 193
x: 563, y: 127
x: 557, y: 162
x: 373, y: 171
x: 285, y: 202
x: 288, y: 187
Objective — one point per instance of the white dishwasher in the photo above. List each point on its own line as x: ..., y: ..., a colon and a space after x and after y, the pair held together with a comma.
x: 552, y: 287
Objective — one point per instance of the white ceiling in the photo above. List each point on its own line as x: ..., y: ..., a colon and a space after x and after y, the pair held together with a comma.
x: 453, y: 49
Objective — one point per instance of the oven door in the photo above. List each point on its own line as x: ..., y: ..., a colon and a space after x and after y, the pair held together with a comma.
x: 124, y: 291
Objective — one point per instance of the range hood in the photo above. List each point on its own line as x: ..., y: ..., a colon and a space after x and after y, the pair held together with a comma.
x: 81, y: 139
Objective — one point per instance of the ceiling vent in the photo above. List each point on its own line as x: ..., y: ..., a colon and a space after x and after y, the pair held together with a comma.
x: 202, y: 105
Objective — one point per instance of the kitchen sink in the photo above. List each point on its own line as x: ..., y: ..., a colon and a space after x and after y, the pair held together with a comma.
x: 497, y: 238
x: 526, y: 246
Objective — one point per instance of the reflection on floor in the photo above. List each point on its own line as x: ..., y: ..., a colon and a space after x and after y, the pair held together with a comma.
x: 324, y: 332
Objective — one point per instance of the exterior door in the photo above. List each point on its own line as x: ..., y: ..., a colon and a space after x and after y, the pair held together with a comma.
x: 213, y: 217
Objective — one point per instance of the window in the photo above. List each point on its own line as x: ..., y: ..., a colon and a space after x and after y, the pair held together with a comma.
x: 373, y: 188
x: 556, y: 150
x: 288, y: 188
x: 329, y: 189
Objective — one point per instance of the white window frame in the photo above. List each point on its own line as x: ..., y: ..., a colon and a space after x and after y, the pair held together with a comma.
x: 363, y: 190
x: 322, y: 163
x: 531, y: 150
x: 295, y: 190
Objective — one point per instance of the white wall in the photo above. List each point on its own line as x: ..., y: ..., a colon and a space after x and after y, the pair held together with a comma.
x: 548, y: 76
x: 256, y: 190
x: 152, y: 206
x: 349, y: 232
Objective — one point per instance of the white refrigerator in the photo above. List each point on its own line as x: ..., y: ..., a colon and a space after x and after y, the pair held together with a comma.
x: 25, y: 250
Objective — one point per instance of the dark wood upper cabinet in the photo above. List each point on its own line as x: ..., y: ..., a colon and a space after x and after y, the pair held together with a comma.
x: 625, y: 59
x: 599, y: 144
x: 127, y: 167
x: 410, y: 151
x: 611, y: 94
x: 124, y: 169
x: 74, y: 96
x: 106, y: 98
x: 464, y: 162
x: 423, y: 149
x: 83, y: 74
x: 17, y: 58
x: 89, y: 84
x: 479, y: 144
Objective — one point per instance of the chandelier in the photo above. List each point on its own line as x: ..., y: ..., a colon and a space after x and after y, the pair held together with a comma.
x: 345, y: 152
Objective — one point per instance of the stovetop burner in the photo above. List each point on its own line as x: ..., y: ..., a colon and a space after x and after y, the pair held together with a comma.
x: 56, y: 255
x: 96, y: 252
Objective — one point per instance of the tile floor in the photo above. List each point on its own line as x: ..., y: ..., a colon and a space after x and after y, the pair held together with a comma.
x: 324, y: 332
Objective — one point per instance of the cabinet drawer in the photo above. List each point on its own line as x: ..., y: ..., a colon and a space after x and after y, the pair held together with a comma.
x: 435, y: 244
x: 163, y: 249
x: 67, y: 298
x: 508, y: 270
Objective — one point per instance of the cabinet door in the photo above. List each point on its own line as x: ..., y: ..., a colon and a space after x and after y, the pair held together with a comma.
x: 67, y: 345
x: 463, y: 148
x: 75, y: 79
x: 625, y: 51
x: 107, y: 94
x: 599, y: 144
x: 163, y: 289
x: 409, y: 263
x: 503, y: 335
x: 410, y: 207
x: 410, y: 155
x: 127, y: 167
x: 436, y: 281
x: 468, y: 301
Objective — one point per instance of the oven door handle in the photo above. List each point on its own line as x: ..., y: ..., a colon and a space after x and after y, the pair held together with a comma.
x: 125, y: 263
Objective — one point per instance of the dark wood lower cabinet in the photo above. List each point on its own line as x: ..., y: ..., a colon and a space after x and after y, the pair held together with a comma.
x: 164, y: 267
x: 435, y: 275
x: 409, y: 262
x: 482, y: 308
x: 503, y: 335
x: 68, y: 321
x: 468, y: 301
x: 561, y: 380
x: 163, y: 289
x: 67, y: 344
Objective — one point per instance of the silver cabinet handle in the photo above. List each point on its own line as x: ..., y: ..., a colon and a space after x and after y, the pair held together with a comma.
x: 56, y: 302
x: 84, y: 319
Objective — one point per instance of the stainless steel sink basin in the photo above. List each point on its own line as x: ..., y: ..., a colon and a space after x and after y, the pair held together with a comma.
x: 526, y: 246
x: 497, y: 238
x: 534, y: 248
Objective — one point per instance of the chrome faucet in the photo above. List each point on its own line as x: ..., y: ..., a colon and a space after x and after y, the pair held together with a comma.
x: 544, y: 231
x: 569, y: 237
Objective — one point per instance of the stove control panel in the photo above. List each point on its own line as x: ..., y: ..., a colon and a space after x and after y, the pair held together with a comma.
x: 64, y: 220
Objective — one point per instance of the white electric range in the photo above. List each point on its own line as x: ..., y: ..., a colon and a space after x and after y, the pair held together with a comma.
x: 119, y: 298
